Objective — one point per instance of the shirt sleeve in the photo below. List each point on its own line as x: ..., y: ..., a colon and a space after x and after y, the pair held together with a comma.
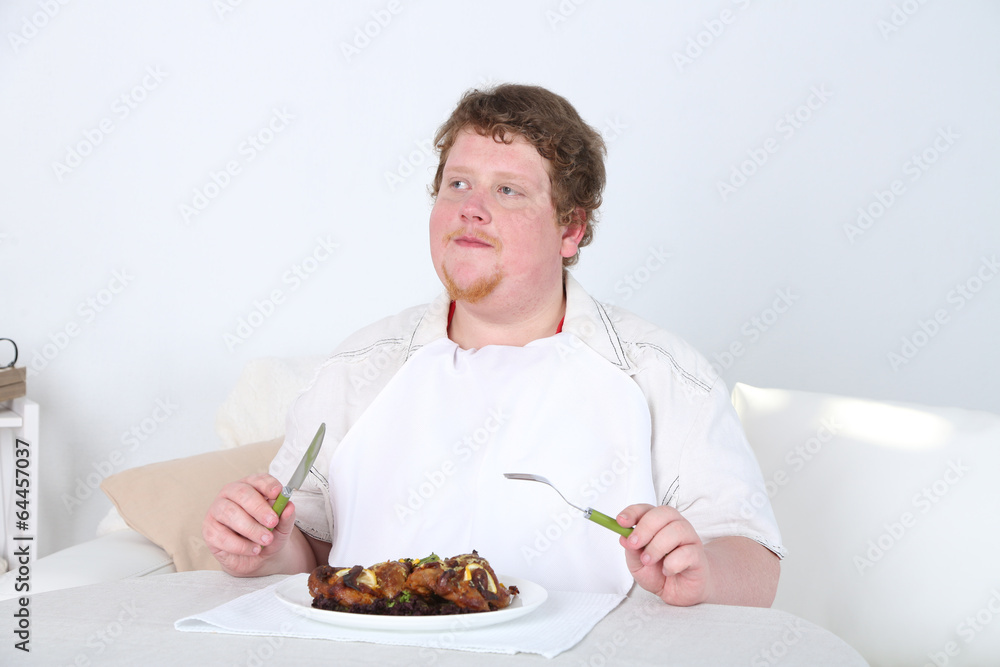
x: 313, y: 514
x: 343, y: 388
x: 721, y: 489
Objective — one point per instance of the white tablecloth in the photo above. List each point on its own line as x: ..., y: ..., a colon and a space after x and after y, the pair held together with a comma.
x: 552, y: 626
x: 131, y: 622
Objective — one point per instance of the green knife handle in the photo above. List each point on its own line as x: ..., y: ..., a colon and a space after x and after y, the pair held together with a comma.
x: 607, y: 522
x: 281, y: 501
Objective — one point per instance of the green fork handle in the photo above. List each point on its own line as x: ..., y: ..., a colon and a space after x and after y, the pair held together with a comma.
x: 606, y: 521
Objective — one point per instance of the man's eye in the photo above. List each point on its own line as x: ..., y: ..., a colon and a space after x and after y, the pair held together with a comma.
x: 507, y: 190
x: 459, y: 185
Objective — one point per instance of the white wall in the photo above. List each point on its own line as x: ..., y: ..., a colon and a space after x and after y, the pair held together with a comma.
x: 887, y: 81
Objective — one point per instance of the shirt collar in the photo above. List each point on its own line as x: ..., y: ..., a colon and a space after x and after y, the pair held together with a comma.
x: 432, y: 325
x: 589, y: 320
x: 586, y: 318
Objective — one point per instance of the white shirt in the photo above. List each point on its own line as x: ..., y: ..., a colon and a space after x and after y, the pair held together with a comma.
x: 702, y: 464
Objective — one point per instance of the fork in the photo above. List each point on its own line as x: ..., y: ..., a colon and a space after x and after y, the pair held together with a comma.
x: 588, y: 513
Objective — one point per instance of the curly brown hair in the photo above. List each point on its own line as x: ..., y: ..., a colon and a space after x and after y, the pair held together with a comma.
x: 549, y: 123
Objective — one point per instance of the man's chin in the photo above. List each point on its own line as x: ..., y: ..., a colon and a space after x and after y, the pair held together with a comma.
x: 474, y: 291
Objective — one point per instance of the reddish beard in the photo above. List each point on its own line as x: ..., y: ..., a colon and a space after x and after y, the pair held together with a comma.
x: 477, y: 291
x: 481, y: 287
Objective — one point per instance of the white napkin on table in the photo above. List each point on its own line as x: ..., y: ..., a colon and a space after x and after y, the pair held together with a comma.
x: 556, y: 626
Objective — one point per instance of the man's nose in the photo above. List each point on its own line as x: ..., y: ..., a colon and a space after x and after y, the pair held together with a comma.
x: 474, y: 208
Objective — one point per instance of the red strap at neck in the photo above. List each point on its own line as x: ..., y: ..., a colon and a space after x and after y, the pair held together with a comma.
x: 451, y: 314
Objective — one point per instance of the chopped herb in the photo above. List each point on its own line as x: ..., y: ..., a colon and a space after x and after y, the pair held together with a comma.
x: 402, y: 597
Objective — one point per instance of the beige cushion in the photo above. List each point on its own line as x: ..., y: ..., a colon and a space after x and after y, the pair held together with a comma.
x: 167, y: 501
x: 257, y: 407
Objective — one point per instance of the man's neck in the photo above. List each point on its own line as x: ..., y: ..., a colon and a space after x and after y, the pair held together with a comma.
x: 475, y: 326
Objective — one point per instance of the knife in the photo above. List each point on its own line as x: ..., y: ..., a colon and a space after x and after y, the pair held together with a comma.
x: 300, y: 473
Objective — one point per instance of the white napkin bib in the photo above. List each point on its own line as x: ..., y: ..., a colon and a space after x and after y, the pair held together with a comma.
x: 422, y: 470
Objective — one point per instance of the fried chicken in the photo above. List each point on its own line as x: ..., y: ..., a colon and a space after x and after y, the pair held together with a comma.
x: 466, y: 580
x: 460, y: 584
x: 358, y: 585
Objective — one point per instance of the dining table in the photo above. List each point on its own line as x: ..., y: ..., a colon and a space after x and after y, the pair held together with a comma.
x: 135, y: 621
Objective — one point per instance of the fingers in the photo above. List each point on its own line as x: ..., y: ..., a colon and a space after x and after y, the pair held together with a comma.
x: 286, y: 522
x: 239, y: 520
x: 631, y: 514
x: 659, y: 531
x: 665, y: 554
x: 256, y: 494
x: 681, y: 559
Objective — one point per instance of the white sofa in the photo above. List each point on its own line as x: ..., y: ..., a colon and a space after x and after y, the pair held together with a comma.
x: 888, y: 510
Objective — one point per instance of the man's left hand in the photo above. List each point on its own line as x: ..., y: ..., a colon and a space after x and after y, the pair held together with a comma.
x: 665, y: 554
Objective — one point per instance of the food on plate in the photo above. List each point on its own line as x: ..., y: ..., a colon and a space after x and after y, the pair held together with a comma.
x: 412, y: 587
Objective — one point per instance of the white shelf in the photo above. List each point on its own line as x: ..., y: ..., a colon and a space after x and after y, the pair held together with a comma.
x: 18, y: 420
x: 10, y: 419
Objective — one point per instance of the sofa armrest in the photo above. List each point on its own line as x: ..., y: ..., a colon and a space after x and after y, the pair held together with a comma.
x: 885, y: 509
x: 119, y: 555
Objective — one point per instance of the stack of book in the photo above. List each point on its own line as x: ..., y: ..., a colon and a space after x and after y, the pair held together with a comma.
x: 12, y: 383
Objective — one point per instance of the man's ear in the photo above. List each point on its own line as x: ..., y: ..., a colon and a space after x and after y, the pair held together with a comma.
x: 573, y: 231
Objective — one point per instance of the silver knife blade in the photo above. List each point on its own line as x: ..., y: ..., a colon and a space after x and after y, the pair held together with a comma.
x: 308, y: 458
x: 300, y: 473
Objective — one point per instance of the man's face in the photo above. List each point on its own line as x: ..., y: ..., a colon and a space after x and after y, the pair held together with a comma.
x: 493, y: 227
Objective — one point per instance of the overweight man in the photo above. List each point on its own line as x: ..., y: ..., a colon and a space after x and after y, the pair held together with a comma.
x: 515, y: 368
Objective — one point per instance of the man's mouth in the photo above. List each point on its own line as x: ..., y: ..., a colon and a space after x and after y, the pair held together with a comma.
x: 468, y: 241
x: 472, y: 240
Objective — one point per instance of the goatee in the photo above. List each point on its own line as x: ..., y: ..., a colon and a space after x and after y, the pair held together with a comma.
x: 477, y: 291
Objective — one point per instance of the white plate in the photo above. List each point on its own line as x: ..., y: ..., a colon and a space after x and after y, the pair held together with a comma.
x: 294, y: 592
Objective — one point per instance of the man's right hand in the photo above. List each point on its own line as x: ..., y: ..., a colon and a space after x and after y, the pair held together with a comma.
x: 247, y: 537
